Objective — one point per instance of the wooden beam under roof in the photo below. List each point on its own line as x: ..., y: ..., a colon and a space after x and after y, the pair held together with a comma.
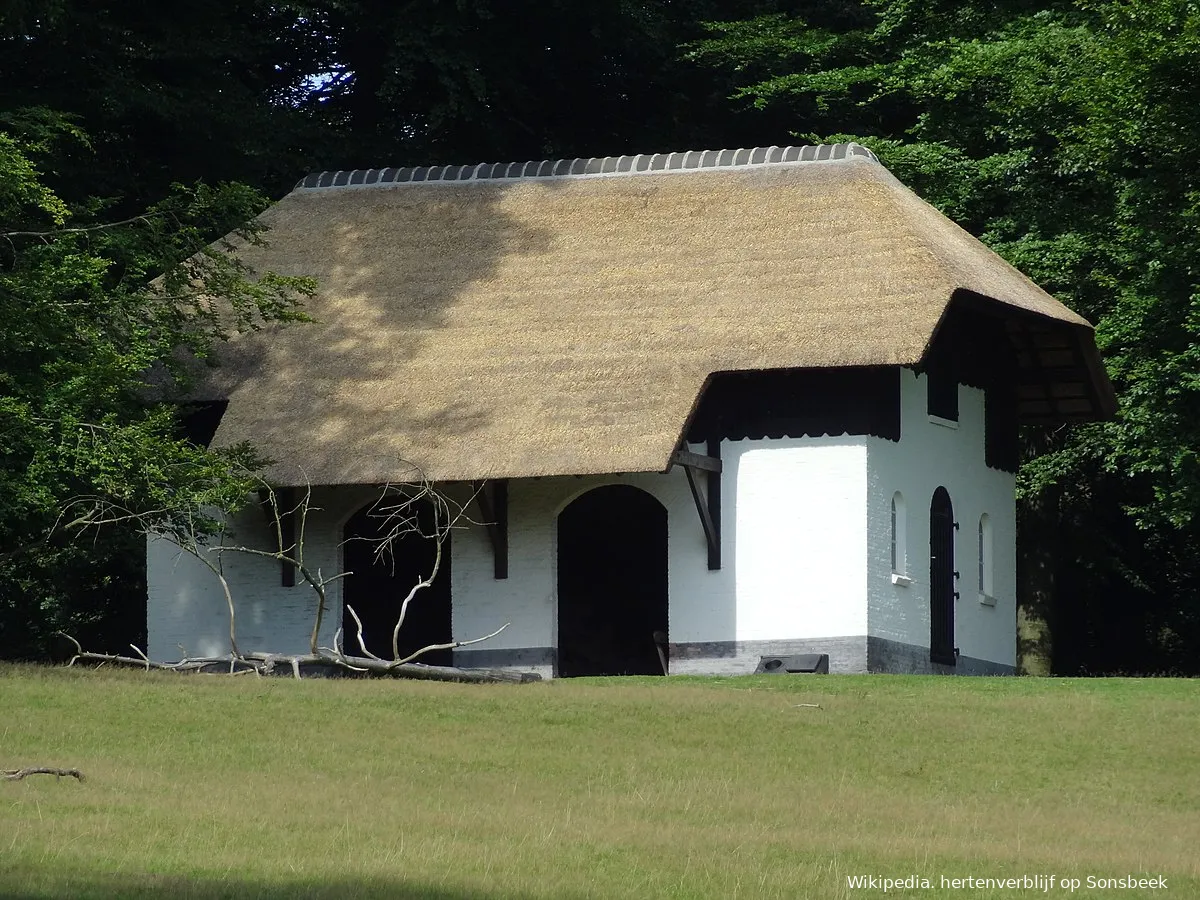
x: 708, y: 507
x: 494, y: 509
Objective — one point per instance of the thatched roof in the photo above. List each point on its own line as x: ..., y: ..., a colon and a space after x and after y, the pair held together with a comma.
x: 563, y: 317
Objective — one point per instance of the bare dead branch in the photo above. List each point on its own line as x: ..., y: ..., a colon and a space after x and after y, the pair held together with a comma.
x: 398, y: 505
x: 183, y: 665
x: 423, y: 583
x: 362, y: 645
x: 46, y: 235
x: 138, y: 651
x: 448, y: 646
x: 19, y: 774
x: 268, y: 664
x: 78, y: 649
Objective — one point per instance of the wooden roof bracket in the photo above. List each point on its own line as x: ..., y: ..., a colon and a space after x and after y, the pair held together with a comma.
x: 709, y: 506
x: 495, y: 517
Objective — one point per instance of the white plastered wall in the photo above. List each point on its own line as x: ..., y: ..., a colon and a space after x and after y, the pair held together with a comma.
x: 527, y: 598
x: 798, y: 549
x: 186, y: 607
x: 930, y: 455
x: 794, y: 543
x: 794, y: 547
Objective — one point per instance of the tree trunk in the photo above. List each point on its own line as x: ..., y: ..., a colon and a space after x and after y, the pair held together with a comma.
x: 1037, y: 556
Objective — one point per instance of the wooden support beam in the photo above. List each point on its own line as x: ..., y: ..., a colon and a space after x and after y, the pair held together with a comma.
x: 500, y: 541
x: 495, y: 517
x: 1031, y: 372
x: 709, y: 506
x: 696, y: 461
x: 714, y: 504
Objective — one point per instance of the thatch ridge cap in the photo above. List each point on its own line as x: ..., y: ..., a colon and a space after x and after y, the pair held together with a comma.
x: 591, y: 167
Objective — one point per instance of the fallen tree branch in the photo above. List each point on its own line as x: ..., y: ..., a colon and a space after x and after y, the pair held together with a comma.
x: 401, y: 511
x: 18, y: 774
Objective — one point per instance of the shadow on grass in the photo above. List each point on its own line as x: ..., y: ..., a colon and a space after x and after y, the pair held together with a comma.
x: 108, y: 887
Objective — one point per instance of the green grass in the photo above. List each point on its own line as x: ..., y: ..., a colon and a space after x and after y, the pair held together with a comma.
x: 205, y: 786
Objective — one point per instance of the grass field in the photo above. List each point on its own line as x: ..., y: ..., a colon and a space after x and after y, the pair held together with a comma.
x: 206, y: 786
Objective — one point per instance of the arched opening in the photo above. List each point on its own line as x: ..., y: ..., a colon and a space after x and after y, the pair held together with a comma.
x: 941, y: 578
x: 378, y: 585
x: 612, y: 583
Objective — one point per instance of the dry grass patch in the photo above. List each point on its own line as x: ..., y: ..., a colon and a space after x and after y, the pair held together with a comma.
x: 210, y: 787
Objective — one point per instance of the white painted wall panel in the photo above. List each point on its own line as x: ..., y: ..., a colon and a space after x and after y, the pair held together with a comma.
x: 800, y: 542
x: 186, y: 614
x: 793, y: 519
x: 527, y: 598
x: 187, y: 607
x: 929, y: 455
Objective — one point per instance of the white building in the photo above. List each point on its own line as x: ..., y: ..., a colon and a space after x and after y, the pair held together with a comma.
x: 720, y: 405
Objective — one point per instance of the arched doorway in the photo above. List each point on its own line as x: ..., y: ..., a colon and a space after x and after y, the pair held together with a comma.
x: 612, y: 583
x: 377, y: 586
x: 941, y: 578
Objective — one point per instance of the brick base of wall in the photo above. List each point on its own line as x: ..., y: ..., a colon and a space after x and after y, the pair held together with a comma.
x: 854, y: 654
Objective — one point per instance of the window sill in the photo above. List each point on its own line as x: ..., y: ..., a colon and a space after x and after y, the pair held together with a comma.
x: 901, y: 580
x: 987, y: 600
x: 945, y: 423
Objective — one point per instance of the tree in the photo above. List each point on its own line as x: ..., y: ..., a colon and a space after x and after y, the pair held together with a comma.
x: 474, y: 81
x: 209, y: 92
x: 95, y: 351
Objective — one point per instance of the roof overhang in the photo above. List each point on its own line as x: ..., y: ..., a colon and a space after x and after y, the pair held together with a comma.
x: 1058, y: 371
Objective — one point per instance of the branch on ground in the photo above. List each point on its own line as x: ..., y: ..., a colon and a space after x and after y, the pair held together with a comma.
x: 330, y: 660
x: 18, y: 774
x: 398, y: 509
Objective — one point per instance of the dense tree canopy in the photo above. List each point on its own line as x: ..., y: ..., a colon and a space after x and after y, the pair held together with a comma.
x: 1065, y: 133
x: 92, y: 352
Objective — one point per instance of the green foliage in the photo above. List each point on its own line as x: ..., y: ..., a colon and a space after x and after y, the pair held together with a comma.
x: 106, y: 111
x: 206, y: 92
x: 528, y: 79
x: 101, y: 321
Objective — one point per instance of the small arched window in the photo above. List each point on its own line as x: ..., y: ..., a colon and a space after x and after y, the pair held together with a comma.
x: 899, y: 527
x: 986, y: 564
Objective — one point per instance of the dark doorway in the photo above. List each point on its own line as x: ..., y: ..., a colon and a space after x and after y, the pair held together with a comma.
x: 941, y: 579
x: 612, y: 583
x: 378, y: 586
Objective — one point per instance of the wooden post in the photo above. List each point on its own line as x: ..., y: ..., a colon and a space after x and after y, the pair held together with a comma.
x: 495, y: 517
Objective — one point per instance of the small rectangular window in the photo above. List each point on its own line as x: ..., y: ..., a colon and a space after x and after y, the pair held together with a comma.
x: 986, y: 564
x: 898, y: 536
x: 1001, y: 446
x: 942, y: 396
x: 981, y: 558
x: 894, y: 534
